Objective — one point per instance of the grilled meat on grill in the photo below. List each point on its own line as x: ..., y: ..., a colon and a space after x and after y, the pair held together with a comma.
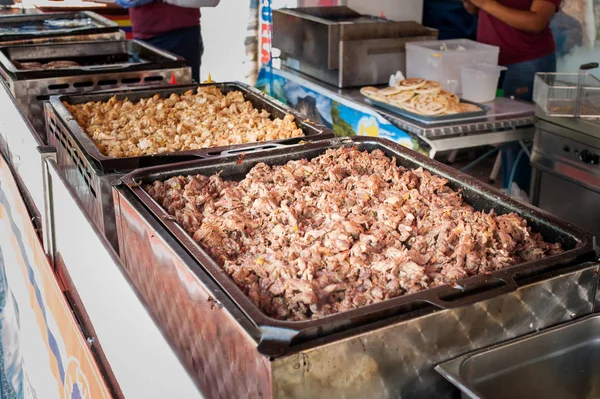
x: 343, y: 230
x: 60, y: 65
x: 30, y: 65
x: 49, y: 65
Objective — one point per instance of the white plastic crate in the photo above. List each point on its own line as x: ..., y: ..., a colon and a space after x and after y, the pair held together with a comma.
x: 441, y: 60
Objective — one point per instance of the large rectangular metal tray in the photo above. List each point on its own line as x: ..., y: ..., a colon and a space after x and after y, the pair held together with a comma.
x: 561, y: 363
x: 94, y: 57
x: 276, y: 335
x: 99, y: 25
x: 107, y: 164
x: 431, y: 119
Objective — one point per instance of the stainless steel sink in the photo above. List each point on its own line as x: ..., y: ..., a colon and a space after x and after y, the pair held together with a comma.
x: 561, y: 363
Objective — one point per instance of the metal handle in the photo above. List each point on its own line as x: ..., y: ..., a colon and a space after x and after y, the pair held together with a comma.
x: 588, y: 66
x: 580, y: 84
x: 240, y: 151
x: 266, y: 146
x: 275, y: 341
x: 102, y: 67
x: 507, y: 285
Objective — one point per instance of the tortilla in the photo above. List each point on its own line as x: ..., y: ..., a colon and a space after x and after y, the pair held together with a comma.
x: 453, y: 108
x: 412, y: 84
x: 430, y: 87
x: 453, y: 98
x: 430, y: 105
x: 402, y: 97
x: 469, y: 108
x: 389, y: 91
x: 372, y: 93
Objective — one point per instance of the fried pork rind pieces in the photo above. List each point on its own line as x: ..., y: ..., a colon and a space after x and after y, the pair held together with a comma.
x: 191, y: 121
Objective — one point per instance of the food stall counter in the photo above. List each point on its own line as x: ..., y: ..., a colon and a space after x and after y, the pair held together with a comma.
x: 350, y: 114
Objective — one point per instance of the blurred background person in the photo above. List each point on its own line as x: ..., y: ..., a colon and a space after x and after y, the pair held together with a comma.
x: 567, y: 32
x: 172, y: 25
x: 521, y: 29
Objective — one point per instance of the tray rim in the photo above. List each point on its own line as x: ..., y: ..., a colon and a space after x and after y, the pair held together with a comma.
x: 169, y: 61
x: 283, y: 332
x: 432, y: 120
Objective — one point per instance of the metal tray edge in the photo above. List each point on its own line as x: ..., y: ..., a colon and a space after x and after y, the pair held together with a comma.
x: 91, y: 150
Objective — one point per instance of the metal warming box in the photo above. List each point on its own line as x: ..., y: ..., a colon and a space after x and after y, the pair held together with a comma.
x: 566, y: 170
x: 342, y: 47
x: 57, y: 27
x: 100, y: 65
x: 90, y: 173
x: 561, y: 363
x: 384, y: 350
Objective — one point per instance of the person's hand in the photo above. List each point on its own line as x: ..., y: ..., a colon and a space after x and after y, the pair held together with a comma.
x: 470, y: 7
x: 481, y: 3
x: 133, y: 3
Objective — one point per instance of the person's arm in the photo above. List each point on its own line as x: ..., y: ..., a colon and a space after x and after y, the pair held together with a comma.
x: 193, y: 3
x: 470, y: 7
x: 533, y: 20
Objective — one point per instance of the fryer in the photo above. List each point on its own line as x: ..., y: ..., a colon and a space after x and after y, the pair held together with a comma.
x: 104, y: 65
x: 57, y: 27
x: 168, y: 268
x: 565, y: 166
x: 90, y: 172
x: 561, y: 363
x: 341, y: 47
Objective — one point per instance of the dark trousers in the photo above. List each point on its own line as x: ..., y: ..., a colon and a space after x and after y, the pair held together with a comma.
x: 517, y: 82
x: 186, y: 43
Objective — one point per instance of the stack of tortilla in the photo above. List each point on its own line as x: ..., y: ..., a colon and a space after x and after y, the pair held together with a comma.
x: 420, y: 96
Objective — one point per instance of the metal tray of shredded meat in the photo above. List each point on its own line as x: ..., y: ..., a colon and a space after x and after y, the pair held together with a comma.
x: 108, y: 164
x: 275, y: 336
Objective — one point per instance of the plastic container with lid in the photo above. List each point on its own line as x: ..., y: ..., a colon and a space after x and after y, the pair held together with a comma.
x: 480, y: 82
x: 440, y: 60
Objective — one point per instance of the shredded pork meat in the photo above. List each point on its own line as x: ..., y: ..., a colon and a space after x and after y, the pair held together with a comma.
x: 345, y: 229
x: 191, y: 121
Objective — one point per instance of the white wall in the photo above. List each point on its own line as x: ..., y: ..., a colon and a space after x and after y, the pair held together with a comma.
x: 587, y: 12
x: 224, y: 30
x: 579, y: 56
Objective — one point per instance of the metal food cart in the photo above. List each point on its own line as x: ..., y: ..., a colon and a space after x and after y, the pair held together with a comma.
x: 160, y: 319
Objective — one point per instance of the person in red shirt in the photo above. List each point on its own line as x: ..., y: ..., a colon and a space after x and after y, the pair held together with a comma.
x: 521, y: 29
x: 172, y: 25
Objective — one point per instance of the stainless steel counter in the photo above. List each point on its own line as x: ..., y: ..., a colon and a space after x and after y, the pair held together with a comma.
x: 559, y: 363
x: 508, y: 120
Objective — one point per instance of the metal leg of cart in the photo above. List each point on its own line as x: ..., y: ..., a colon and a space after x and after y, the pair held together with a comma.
x: 452, y: 156
x: 496, y: 168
